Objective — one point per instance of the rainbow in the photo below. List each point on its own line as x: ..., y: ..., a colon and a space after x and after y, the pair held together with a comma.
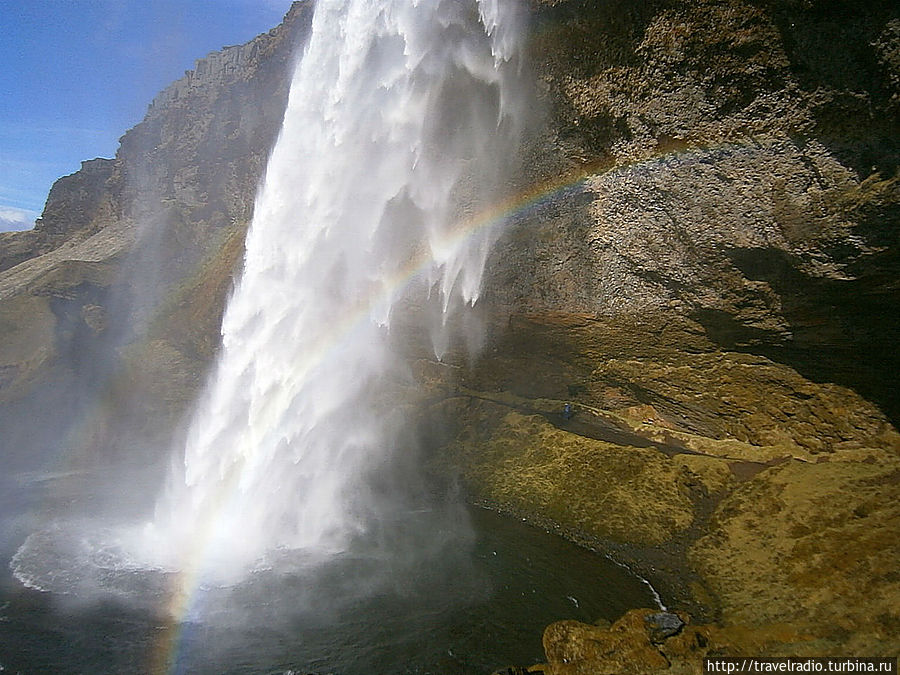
x: 168, y: 647
x: 185, y: 584
x: 183, y: 594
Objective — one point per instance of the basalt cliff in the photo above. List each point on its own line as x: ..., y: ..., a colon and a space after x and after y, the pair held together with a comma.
x: 708, y: 278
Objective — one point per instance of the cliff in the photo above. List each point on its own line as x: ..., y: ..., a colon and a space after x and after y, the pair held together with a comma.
x: 117, y: 293
x: 708, y: 278
x: 712, y: 288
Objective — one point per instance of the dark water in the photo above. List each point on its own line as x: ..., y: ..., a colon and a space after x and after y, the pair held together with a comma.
x: 475, y: 606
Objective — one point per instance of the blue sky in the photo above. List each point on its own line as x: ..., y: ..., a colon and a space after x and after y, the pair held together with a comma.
x: 77, y: 74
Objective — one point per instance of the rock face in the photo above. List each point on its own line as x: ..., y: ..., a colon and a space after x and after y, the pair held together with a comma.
x: 711, y: 286
x: 117, y: 293
x: 748, y: 153
x: 708, y: 278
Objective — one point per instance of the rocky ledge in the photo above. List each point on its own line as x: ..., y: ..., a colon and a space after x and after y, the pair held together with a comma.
x: 713, y: 291
x: 762, y: 503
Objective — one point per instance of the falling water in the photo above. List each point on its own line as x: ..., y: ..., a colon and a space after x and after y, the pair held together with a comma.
x: 400, y: 118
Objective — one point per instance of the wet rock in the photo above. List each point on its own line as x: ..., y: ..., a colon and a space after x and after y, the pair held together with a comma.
x: 738, y: 164
x: 95, y: 317
x: 574, y: 648
x: 663, y: 625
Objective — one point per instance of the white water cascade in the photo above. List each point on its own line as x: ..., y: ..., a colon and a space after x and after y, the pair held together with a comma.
x: 401, y: 117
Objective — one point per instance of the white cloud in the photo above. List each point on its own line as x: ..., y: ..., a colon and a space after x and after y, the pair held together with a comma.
x: 12, y: 218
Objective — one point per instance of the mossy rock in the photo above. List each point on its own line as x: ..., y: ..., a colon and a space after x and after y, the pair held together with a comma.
x: 607, y: 491
x: 813, y: 544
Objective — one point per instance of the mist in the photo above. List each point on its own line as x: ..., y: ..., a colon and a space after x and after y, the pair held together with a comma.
x: 303, y: 454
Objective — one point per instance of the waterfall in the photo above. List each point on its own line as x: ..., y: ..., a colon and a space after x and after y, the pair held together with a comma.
x: 401, y: 117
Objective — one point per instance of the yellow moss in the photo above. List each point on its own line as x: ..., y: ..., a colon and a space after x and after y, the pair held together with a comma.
x: 609, y: 491
x: 815, y: 544
x: 712, y: 472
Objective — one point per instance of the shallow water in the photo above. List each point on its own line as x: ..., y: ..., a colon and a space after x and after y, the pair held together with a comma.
x: 470, y: 609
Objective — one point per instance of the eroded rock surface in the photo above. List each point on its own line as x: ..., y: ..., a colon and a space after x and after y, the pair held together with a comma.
x: 715, y: 275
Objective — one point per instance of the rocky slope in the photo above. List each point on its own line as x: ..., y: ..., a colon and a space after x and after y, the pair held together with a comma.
x: 709, y: 278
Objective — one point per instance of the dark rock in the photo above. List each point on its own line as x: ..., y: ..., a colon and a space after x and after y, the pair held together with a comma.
x: 663, y: 625
x: 740, y: 161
